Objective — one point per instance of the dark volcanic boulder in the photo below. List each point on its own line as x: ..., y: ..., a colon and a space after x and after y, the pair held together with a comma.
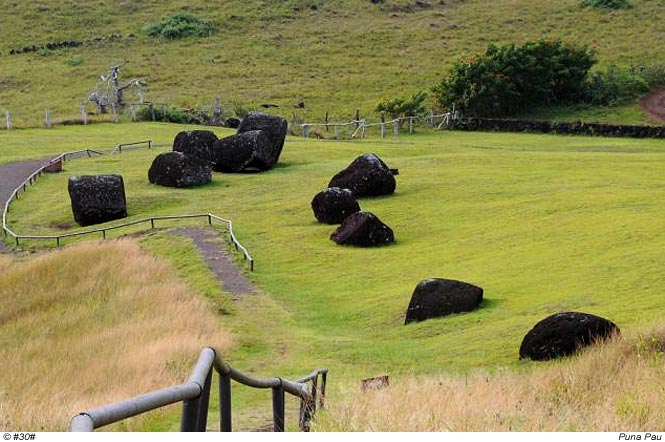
x: 243, y: 151
x: 333, y: 205
x: 437, y: 297
x: 196, y: 142
x: 363, y: 229
x: 367, y: 175
x: 97, y: 198
x: 274, y: 126
x: 563, y: 333
x: 175, y: 169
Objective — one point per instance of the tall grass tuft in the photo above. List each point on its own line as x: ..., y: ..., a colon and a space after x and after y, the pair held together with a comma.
x: 92, y: 324
x: 615, y: 386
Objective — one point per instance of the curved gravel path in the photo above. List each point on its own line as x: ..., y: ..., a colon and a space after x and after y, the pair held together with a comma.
x: 12, y: 175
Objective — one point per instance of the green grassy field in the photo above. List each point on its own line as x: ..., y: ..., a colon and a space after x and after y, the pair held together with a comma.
x: 335, y: 56
x: 542, y: 223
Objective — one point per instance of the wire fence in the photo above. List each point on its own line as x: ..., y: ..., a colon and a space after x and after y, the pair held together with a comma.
x: 55, y: 165
x: 361, y: 128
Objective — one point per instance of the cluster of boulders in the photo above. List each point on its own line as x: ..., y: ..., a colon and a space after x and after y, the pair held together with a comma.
x: 196, y: 153
x: 258, y: 144
x: 367, y: 175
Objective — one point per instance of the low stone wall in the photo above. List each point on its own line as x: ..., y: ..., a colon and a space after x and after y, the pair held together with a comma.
x: 578, y: 128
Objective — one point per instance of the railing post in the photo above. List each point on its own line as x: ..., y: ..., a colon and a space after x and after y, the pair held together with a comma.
x: 278, y: 409
x: 190, y: 415
x: 305, y: 131
x: 396, y: 127
x: 224, y: 402
x: 152, y: 223
x: 324, y: 380
x: 57, y: 241
x: 209, y: 220
x: 314, y: 388
x: 204, y: 401
x: 336, y: 132
x: 305, y: 414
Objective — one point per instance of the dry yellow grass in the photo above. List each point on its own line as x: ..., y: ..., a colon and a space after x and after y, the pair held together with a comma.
x: 617, y: 386
x: 92, y: 324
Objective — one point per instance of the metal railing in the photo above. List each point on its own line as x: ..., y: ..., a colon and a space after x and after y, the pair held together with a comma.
x: 88, y: 153
x: 195, y: 397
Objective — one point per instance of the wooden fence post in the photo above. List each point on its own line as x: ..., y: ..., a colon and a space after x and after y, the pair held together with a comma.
x: 115, y: 112
x: 152, y: 112
x: 326, y: 121
x: 336, y: 132
x: 410, y: 125
x: 47, y: 114
x: 8, y: 117
x: 132, y: 111
x: 396, y: 127
x: 383, y: 125
x: 305, y: 131
x: 84, y: 115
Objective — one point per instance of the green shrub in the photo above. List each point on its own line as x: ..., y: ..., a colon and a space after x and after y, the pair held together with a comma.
x: 169, y: 114
x: 654, y: 75
x: 606, y: 4
x: 400, y: 107
x: 181, y: 25
x: 74, y: 61
x: 615, y: 86
x: 508, y: 79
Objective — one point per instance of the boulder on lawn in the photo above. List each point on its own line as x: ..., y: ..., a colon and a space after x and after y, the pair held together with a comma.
x: 562, y: 334
x: 274, y: 126
x: 333, y: 205
x: 97, y: 199
x: 367, y: 175
x: 175, y: 169
x: 243, y: 151
x: 196, y: 142
x: 363, y: 229
x: 436, y: 297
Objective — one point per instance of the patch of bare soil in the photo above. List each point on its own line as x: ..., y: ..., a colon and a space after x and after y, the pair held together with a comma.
x: 654, y: 105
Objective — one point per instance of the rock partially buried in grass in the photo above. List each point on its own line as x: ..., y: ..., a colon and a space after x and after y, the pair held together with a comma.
x: 244, y: 151
x: 97, y: 199
x: 275, y: 128
x: 367, y: 175
x: 363, y: 229
x: 175, y: 169
x: 436, y: 297
x: 333, y: 205
x: 562, y: 334
x: 197, y: 143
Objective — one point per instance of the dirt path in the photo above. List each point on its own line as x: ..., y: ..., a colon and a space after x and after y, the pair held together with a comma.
x: 654, y: 105
x: 11, y: 176
x: 218, y: 261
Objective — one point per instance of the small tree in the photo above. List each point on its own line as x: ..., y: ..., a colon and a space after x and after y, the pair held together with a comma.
x: 404, y: 107
x: 510, y: 78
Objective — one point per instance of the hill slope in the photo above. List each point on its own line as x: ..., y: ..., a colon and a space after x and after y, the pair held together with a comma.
x: 332, y: 55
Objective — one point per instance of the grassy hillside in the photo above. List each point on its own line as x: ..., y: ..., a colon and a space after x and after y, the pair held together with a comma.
x: 333, y: 55
x: 543, y: 223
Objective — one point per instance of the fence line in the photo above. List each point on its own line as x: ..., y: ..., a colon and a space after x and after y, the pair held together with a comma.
x: 361, y: 125
x: 103, y: 230
x: 195, y: 397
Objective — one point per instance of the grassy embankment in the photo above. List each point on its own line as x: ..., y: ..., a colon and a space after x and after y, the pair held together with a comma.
x: 343, y: 55
x: 542, y: 223
x: 93, y: 324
